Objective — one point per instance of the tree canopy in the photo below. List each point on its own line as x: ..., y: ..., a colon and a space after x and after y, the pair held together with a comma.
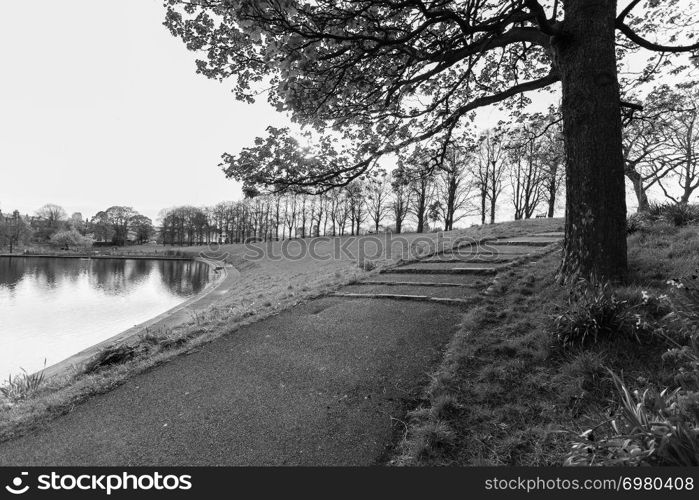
x: 383, y: 74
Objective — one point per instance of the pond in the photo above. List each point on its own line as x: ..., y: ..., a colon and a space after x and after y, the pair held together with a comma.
x: 52, y: 308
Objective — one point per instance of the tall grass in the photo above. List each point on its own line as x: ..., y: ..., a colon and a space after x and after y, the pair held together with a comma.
x: 22, y: 386
x: 674, y: 214
x: 596, y: 313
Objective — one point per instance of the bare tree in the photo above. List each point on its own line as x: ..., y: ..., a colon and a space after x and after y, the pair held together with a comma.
x: 401, y: 199
x: 489, y: 168
x: 377, y: 198
x: 525, y: 170
x: 681, y: 138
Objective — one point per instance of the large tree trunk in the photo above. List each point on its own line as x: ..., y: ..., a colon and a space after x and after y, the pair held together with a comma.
x: 595, y: 228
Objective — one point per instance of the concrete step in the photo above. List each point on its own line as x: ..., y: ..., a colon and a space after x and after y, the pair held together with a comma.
x: 416, y: 283
x: 470, y: 259
x: 419, y: 289
x: 551, y: 234
x: 423, y: 298
x: 463, y: 280
x: 496, y: 249
x: 442, y: 268
x: 529, y: 242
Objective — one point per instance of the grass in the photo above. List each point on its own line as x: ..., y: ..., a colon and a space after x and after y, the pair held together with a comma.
x: 528, y: 377
x: 263, y: 288
x: 22, y: 386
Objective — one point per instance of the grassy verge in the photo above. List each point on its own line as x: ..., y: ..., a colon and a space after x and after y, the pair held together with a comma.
x: 543, y: 375
x: 264, y: 287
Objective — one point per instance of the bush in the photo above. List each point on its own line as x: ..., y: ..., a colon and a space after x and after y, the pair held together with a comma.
x: 71, y: 238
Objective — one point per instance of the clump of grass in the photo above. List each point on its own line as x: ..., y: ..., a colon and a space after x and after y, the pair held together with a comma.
x: 673, y: 214
x: 593, y: 315
x: 22, y: 386
x: 680, y: 214
x: 635, y: 223
x: 367, y: 265
x: 110, y: 356
x: 587, y: 368
x: 430, y: 438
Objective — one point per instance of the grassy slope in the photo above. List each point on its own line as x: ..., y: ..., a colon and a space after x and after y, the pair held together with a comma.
x: 508, y: 394
x: 265, y: 287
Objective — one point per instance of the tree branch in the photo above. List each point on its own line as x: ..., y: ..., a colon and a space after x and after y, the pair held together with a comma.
x: 627, y: 10
x: 626, y: 30
x: 541, y: 20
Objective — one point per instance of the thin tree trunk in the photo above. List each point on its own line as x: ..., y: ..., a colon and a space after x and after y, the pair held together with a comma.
x: 637, y: 183
x: 595, y: 227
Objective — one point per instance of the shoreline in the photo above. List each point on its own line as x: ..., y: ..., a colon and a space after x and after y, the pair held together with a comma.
x: 167, y: 318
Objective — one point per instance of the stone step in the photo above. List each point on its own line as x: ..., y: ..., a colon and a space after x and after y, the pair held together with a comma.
x: 542, y: 242
x: 420, y: 289
x: 424, y: 298
x: 440, y: 269
x: 551, y: 234
x: 417, y: 283
x: 492, y: 248
x: 465, y: 280
x: 470, y: 259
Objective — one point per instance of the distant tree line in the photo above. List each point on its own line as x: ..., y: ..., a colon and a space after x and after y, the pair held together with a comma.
x: 51, y: 225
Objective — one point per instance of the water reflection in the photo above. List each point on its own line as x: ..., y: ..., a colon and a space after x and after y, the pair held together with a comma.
x: 54, y: 307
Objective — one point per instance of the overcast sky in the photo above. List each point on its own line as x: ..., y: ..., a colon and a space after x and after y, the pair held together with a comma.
x: 101, y: 106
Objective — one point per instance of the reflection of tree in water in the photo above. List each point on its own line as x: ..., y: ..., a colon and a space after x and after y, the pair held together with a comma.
x: 12, y: 270
x: 118, y: 276
x: 183, y: 278
x: 112, y: 276
x: 48, y: 272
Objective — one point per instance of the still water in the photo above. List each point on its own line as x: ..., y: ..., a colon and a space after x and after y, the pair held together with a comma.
x: 52, y: 308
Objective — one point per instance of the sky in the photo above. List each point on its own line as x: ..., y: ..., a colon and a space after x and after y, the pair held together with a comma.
x: 101, y: 106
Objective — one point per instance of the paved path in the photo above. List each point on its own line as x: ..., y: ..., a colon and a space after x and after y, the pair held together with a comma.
x: 326, y: 383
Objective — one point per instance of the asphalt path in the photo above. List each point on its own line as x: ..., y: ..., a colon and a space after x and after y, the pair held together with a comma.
x: 326, y: 383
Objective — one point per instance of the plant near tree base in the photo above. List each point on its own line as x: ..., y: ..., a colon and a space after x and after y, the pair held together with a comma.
x: 594, y: 314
